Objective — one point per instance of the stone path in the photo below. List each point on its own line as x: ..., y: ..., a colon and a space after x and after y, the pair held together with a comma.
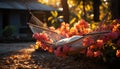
x: 11, y: 47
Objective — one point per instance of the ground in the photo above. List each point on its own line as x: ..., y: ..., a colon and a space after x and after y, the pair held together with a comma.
x: 23, y: 56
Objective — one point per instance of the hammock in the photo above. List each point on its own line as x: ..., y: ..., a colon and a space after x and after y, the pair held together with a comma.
x: 37, y: 26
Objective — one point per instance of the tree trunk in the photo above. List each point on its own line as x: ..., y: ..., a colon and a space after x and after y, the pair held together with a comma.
x: 115, y: 9
x: 96, y: 4
x: 84, y: 10
x: 65, y: 10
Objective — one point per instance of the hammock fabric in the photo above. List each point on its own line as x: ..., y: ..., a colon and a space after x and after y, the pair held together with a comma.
x: 37, y: 26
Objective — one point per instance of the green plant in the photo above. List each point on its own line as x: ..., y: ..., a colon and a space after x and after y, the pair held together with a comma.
x: 8, y: 31
x: 55, y: 19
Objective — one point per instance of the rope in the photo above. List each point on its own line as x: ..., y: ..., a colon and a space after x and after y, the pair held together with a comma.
x: 33, y: 19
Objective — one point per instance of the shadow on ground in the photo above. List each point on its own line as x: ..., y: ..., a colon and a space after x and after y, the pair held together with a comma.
x: 29, y: 58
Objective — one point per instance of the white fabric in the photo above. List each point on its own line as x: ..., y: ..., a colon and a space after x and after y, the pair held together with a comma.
x: 68, y: 40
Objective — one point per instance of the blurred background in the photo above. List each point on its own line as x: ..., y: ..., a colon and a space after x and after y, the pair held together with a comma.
x: 14, y: 15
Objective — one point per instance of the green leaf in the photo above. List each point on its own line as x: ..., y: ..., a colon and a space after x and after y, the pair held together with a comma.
x: 53, y: 21
x: 114, y: 48
x: 50, y: 18
x: 79, y: 16
x: 54, y: 13
x: 60, y: 17
x: 104, y: 59
x: 72, y: 20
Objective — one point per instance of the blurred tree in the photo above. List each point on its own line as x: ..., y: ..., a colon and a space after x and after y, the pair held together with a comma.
x: 81, y: 9
x: 65, y: 11
x: 84, y: 1
x: 115, y: 9
x: 96, y: 11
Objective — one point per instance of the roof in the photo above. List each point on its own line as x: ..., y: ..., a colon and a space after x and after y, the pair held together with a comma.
x: 25, y: 6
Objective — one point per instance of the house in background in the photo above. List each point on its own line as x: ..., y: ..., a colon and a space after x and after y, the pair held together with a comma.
x: 14, y: 16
